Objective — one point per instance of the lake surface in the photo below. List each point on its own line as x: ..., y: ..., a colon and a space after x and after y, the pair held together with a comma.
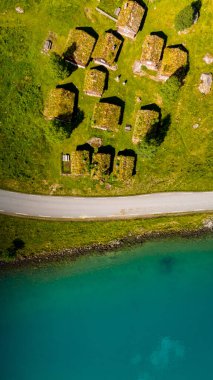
x: 145, y: 314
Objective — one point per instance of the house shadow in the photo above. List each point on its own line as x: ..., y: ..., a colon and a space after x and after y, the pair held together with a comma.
x: 129, y: 153
x: 152, y: 107
x: 88, y: 148
x: 157, y: 134
x: 140, y: 2
x: 108, y: 149
x: 68, y: 122
x: 196, y: 6
x: 118, y: 102
x: 104, y: 70
x: 89, y: 30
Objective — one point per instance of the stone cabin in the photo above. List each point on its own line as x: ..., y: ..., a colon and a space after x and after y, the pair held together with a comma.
x: 79, y: 47
x: 124, y: 166
x: 94, y: 82
x: 106, y: 50
x: 101, y: 164
x: 80, y: 162
x: 130, y: 18
x: 106, y: 116
x: 60, y: 104
x: 174, y: 58
x: 152, y: 50
x: 145, y: 120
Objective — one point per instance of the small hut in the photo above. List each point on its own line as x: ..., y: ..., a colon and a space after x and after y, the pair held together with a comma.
x: 174, y: 58
x: 106, y: 116
x: 94, y: 82
x: 130, y: 18
x: 145, y: 120
x: 80, y: 162
x: 106, y: 50
x: 152, y: 49
x: 101, y: 164
x: 124, y: 166
x: 79, y: 47
x: 60, y: 104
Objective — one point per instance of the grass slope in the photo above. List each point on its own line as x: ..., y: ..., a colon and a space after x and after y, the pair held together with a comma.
x: 31, y: 147
x: 51, y: 236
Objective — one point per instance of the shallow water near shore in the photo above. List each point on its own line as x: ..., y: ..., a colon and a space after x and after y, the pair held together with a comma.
x: 141, y: 314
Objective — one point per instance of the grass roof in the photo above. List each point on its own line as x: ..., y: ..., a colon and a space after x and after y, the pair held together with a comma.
x: 60, y: 104
x: 124, y: 167
x: 145, y: 119
x: 152, y: 48
x: 79, y: 47
x: 131, y: 15
x: 80, y: 162
x: 106, y: 116
x: 94, y: 82
x: 107, y: 48
x: 173, y: 59
x: 100, y: 165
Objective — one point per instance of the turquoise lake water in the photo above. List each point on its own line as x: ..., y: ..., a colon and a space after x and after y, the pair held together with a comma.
x: 145, y: 314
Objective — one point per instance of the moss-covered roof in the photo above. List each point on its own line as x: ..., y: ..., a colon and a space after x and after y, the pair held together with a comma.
x: 100, y: 165
x: 106, y: 116
x: 145, y: 119
x: 124, y: 166
x: 107, y: 48
x: 94, y: 82
x: 131, y: 15
x: 79, y: 47
x: 80, y: 162
x: 152, y: 49
x: 60, y: 104
x: 173, y: 59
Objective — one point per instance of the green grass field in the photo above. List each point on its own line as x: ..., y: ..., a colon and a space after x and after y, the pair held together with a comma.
x: 51, y: 236
x: 31, y: 147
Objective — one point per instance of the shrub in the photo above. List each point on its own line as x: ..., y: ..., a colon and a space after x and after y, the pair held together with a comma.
x: 185, y: 18
x: 61, y: 68
x: 170, y: 90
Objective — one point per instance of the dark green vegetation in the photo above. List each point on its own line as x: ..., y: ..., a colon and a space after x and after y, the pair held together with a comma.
x: 180, y: 158
x: 186, y: 17
x: 51, y: 236
x: 170, y: 91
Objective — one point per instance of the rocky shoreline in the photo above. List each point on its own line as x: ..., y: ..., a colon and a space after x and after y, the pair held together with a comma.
x: 73, y: 254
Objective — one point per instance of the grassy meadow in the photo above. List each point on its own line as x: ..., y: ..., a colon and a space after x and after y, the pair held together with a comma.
x: 31, y: 147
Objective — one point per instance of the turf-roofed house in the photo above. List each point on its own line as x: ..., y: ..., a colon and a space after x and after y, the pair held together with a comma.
x: 101, y: 164
x: 59, y: 104
x: 107, y: 50
x: 106, y: 116
x: 174, y: 59
x: 152, y: 49
x: 124, y: 167
x: 79, y: 47
x: 94, y: 83
x: 146, y: 119
x: 130, y: 19
x: 80, y: 163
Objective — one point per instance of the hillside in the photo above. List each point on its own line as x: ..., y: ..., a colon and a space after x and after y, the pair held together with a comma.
x: 178, y: 158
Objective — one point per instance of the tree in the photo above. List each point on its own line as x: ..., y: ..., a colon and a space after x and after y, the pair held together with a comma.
x: 185, y: 18
x: 61, y: 68
x: 170, y: 90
